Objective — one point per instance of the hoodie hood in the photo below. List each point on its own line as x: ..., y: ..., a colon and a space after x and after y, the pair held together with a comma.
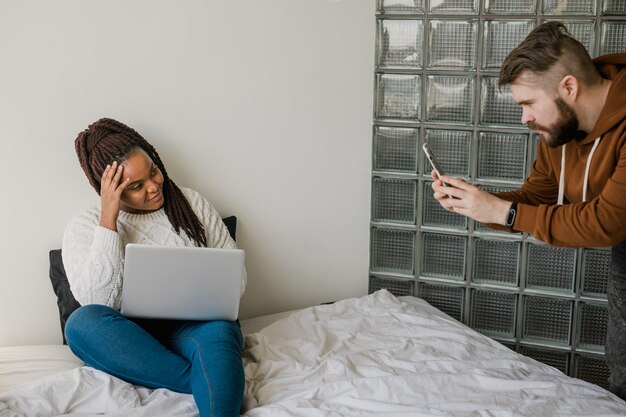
x: 613, y: 67
x: 610, y: 65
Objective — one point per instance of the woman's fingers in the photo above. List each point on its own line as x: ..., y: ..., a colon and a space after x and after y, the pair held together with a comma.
x: 111, y: 178
x: 109, y: 172
x: 106, y: 178
x: 116, y: 182
x: 117, y: 171
x: 122, y: 185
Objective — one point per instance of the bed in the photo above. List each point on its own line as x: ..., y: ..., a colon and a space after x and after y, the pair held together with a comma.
x: 377, y: 355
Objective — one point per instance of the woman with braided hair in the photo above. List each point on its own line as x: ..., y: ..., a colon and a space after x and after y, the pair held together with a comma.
x: 139, y: 203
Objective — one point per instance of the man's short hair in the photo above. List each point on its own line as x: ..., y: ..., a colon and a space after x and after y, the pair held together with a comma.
x: 548, y: 54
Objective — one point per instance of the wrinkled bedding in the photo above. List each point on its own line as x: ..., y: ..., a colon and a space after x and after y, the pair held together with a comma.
x: 84, y: 391
x: 368, y: 356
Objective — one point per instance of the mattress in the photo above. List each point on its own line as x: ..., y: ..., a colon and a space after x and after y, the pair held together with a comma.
x: 20, y: 364
x: 375, y: 355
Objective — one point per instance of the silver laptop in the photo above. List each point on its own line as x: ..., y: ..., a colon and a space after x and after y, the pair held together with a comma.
x: 182, y: 283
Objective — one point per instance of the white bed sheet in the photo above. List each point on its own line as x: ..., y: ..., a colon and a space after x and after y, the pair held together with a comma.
x: 368, y: 356
x: 376, y: 356
x: 20, y: 364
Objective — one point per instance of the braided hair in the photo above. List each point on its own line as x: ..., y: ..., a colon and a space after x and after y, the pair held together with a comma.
x: 108, y: 140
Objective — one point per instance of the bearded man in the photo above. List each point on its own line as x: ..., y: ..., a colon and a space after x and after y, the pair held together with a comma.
x: 575, y: 195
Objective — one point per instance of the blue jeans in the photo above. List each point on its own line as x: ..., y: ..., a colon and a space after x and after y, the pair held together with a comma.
x: 193, y: 357
x: 615, y: 349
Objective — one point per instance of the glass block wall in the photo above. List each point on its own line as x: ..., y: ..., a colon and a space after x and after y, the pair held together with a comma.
x: 437, y: 64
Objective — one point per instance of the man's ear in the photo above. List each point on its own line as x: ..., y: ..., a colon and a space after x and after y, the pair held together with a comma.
x: 569, y: 88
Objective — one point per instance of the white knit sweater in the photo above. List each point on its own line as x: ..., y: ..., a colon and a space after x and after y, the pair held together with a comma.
x: 93, y: 256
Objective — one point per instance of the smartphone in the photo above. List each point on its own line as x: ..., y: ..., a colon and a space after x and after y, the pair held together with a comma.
x: 434, y: 162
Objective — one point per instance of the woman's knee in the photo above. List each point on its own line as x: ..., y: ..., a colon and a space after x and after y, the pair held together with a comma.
x: 219, y: 331
x: 85, y: 319
x: 228, y: 329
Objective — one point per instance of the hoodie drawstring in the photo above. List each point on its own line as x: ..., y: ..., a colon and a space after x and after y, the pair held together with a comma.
x: 562, y: 177
x: 587, y: 167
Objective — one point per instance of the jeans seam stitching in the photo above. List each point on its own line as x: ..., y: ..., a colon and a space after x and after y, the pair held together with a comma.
x: 204, y: 372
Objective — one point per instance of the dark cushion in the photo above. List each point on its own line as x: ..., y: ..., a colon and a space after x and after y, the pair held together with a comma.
x: 231, y: 225
x: 65, y: 299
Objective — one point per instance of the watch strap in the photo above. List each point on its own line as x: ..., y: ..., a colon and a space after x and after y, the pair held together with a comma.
x: 511, y: 215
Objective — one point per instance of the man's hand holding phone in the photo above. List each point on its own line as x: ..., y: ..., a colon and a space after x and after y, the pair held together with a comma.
x: 465, y: 199
x: 437, y: 173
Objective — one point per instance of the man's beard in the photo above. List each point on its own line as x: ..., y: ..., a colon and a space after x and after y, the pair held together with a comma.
x: 563, y: 130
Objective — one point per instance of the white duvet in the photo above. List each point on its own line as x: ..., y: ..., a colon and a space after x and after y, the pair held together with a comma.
x: 84, y: 391
x: 369, y: 356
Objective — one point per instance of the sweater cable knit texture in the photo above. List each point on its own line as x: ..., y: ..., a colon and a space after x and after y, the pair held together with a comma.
x: 93, y: 256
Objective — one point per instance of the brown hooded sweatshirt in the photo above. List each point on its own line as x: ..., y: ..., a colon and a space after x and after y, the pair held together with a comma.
x: 600, y: 220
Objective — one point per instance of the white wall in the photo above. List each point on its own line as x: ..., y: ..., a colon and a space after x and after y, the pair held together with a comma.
x: 264, y: 106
